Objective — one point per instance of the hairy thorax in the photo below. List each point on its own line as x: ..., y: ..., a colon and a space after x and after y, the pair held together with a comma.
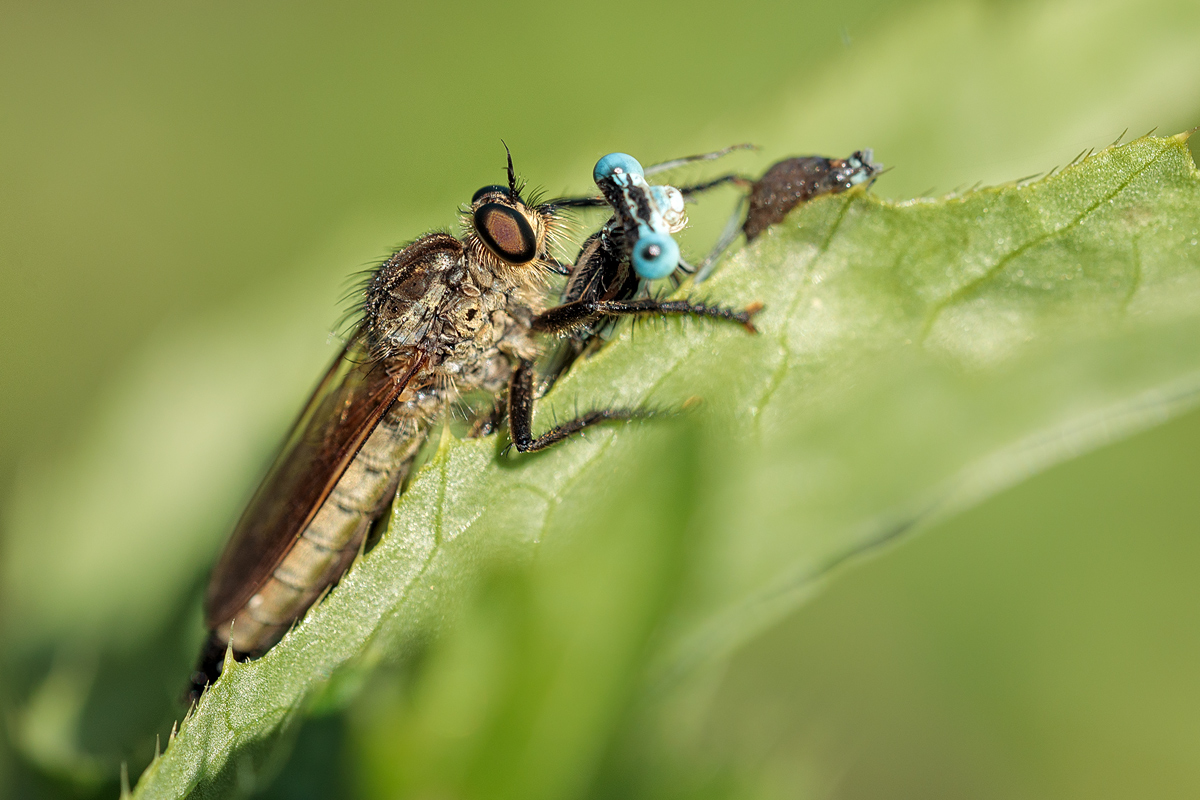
x: 466, y: 319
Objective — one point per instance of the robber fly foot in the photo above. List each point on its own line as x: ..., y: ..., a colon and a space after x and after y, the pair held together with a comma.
x: 525, y: 442
x: 749, y: 313
x: 520, y: 415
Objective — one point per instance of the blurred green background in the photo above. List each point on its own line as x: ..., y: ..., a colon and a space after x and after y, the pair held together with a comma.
x: 184, y: 190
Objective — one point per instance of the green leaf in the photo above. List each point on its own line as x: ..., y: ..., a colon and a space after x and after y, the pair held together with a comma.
x: 521, y: 699
x: 913, y: 358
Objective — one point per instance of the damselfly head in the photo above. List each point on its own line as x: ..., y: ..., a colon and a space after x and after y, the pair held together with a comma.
x: 613, y: 165
x: 648, y: 214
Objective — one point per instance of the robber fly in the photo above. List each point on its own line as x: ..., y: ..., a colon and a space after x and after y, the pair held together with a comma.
x: 785, y: 185
x: 440, y: 317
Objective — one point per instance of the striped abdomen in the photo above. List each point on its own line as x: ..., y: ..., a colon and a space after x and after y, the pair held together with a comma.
x: 325, y: 549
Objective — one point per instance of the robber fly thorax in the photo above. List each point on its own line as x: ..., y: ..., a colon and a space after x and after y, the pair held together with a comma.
x: 442, y: 317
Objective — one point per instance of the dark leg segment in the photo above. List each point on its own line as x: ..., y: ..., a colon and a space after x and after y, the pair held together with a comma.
x: 520, y: 415
x: 679, y: 162
x: 570, y: 316
x: 697, y: 188
x: 687, y: 191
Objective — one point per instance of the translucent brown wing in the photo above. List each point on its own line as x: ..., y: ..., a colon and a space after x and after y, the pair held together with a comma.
x: 347, y: 405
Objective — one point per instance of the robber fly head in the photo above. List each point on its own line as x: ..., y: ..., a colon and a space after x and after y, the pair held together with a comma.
x: 505, y: 233
x: 649, y: 214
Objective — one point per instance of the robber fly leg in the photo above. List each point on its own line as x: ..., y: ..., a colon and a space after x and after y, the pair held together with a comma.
x: 520, y: 415
x: 567, y: 317
x: 570, y: 316
x: 687, y: 191
x: 740, y: 181
x: 613, y: 308
x: 591, y: 201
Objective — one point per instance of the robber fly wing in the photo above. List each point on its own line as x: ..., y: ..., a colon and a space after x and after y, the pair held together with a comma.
x: 345, y: 408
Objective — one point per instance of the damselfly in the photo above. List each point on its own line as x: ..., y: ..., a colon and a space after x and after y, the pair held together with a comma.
x: 635, y: 246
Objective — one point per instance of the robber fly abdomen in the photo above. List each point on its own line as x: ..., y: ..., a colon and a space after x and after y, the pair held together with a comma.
x: 332, y: 539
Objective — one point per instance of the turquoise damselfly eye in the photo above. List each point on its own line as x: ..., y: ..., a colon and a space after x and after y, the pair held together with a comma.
x: 615, y: 163
x: 656, y: 255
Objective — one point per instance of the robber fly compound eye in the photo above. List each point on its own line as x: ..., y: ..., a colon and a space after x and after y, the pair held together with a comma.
x: 506, y: 232
x: 617, y: 164
x: 486, y: 191
x: 656, y: 255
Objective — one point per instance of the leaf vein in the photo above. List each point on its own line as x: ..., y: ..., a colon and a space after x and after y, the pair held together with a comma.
x: 973, y: 286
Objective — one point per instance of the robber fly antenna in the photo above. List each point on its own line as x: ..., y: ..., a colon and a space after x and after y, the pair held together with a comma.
x: 512, y: 175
